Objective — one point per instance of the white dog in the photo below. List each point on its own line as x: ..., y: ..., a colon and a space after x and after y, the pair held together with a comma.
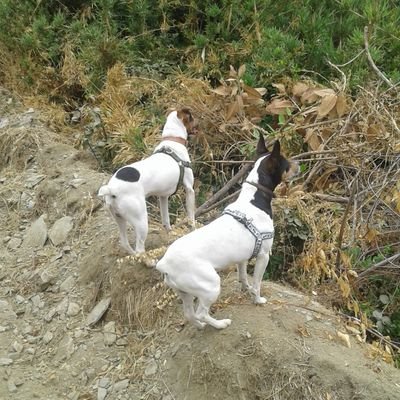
x: 245, y: 230
x: 158, y: 175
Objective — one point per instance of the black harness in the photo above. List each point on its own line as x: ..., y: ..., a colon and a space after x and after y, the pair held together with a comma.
x: 247, y: 222
x: 181, y: 163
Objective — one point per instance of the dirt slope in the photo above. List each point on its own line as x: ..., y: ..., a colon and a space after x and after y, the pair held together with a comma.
x: 58, y: 259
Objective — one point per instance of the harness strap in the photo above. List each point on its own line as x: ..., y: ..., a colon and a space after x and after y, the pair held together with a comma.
x: 247, y: 222
x: 182, y: 164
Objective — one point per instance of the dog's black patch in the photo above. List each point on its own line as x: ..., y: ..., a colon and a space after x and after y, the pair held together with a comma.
x: 270, y: 172
x: 128, y: 174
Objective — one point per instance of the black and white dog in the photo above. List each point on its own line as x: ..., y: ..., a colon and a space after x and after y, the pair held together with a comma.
x: 158, y: 175
x: 245, y: 230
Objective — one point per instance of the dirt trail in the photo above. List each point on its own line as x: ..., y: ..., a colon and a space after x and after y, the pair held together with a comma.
x: 58, y: 259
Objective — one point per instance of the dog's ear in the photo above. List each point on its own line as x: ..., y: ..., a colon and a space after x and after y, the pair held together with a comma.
x: 276, y: 150
x: 261, y: 148
x: 185, y: 115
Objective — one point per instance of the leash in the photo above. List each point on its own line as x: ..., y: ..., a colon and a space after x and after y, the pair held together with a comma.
x: 182, y: 164
x: 248, y: 224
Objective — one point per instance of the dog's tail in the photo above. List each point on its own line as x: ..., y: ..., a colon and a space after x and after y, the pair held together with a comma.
x: 107, y: 193
x: 104, y: 191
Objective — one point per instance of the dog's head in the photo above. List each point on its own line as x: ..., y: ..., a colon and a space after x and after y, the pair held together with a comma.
x: 274, y: 168
x: 185, y: 115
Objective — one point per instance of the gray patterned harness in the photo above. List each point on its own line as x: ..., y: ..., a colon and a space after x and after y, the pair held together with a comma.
x: 247, y: 222
x: 182, y: 164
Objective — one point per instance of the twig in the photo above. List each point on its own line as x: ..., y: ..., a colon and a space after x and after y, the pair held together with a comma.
x: 371, y: 61
x: 341, y: 72
x: 372, y: 331
x: 224, y: 189
x: 346, y: 212
x: 380, y: 264
x: 333, y: 199
x: 218, y: 203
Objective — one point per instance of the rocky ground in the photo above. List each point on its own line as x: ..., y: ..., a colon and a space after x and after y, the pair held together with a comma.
x: 76, y: 323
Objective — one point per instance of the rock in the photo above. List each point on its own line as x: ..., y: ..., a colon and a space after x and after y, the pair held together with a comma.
x: 47, y: 337
x: 26, y: 201
x: 151, y: 369
x: 122, y: 342
x: 5, y: 361
x: 68, y: 284
x: 49, y: 316
x: 109, y: 333
x: 19, y: 299
x: 65, y: 349
x: 6, y: 312
x: 33, y: 180
x: 47, y: 277
x: 98, y: 311
x: 37, y: 302
x: 12, y: 388
x: 62, y: 306
x: 14, y: 243
x: 59, y: 231
x: 73, y: 309
x: 101, y: 393
x: 104, y: 383
x: 36, y: 234
x: 120, y: 386
x: 17, y: 347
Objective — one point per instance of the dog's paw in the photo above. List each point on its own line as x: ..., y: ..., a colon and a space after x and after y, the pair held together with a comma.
x: 199, y: 325
x: 223, y: 323
x: 260, y: 300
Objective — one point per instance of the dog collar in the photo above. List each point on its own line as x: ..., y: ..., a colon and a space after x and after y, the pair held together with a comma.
x: 264, y: 189
x: 175, y: 139
x: 247, y: 222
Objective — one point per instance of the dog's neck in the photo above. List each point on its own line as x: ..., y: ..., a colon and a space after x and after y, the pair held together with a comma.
x: 175, y: 139
x: 174, y: 129
x: 261, y: 187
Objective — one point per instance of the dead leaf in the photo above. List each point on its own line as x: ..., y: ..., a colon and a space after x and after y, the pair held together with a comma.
x: 326, y: 133
x: 222, y: 90
x: 303, y: 331
x: 341, y: 105
x: 279, y: 106
x: 324, y: 92
x: 328, y: 102
x: 345, y: 338
x: 233, y: 109
x: 281, y: 88
x: 312, y: 139
x: 309, y: 96
x: 299, y: 88
x: 242, y: 70
x: 251, y: 91
x: 261, y: 90
x: 371, y: 235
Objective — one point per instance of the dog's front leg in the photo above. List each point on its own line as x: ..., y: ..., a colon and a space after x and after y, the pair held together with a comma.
x: 190, y: 196
x: 259, y: 269
x: 242, y: 276
x: 164, y: 212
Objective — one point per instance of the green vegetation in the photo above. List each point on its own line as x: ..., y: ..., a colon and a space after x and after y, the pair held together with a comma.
x: 274, y: 39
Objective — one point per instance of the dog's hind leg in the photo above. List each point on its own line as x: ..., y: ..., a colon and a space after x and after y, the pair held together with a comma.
x: 164, y: 212
x: 123, y: 234
x: 135, y: 212
x: 206, y: 299
x: 242, y: 276
x: 188, y: 309
x: 259, y: 269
